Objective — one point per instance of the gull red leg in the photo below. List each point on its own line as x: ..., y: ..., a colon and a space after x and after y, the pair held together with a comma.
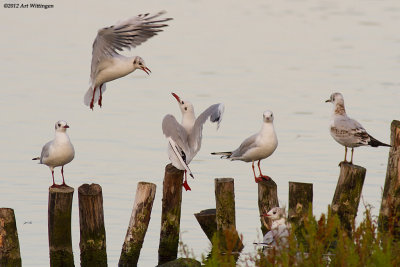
x: 54, y: 184
x: 101, y: 95
x: 261, y: 175
x: 257, y: 179
x: 92, y: 102
x: 62, y: 174
x: 185, y: 184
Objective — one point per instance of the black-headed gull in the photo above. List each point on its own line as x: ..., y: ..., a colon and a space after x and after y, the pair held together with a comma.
x: 256, y: 147
x: 58, y: 152
x: 346, y: 131
x: 107, y: 64
x: 185, y: 138
x: 278, y: 236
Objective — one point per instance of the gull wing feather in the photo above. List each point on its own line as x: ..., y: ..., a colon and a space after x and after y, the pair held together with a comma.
x: 45, y: 151
x: 215, y: 113
x: 125, y: 34
x: 245, y: 146
x: 172, y: 128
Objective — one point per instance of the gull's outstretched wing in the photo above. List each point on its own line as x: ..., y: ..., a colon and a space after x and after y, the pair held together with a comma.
x: 215, y: 113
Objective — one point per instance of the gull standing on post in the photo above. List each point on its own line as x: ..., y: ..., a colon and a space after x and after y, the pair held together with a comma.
x: 185, y: 138
x: 256, y: 147
x: 346, y: 131
x: 107, y: 64
x: 58, y: 152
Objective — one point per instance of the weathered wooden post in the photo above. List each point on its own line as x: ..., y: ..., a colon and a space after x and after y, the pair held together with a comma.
x: 171, y: 214
x: 267, y: 199
x: 138, y: 224
x: 225, y: 215
x: 207, y: 221
x: 347, y: 194
x: 300, y: 201
x: 91, y: 220
x: 9, y: 244
x: 59, y: 223
x: 389, y: 217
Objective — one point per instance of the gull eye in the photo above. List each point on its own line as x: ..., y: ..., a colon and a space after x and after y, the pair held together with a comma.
x: 59, y: 125
x: 185, y: 108
x: 182, y: 102
x: 274, y: 212
x: 140, y: 63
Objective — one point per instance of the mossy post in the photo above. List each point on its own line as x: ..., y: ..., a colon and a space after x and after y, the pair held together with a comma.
x: 300, y: 201
x: 59, y: 223
x: 91, y: 221
x: 229, y: 239
x: 207, y: 221
x: 267, y: 199
x: 389, y: 217
x: 171, y: 214
x: 347, y: 194
x: 9, y: 244
x: 138, y: 224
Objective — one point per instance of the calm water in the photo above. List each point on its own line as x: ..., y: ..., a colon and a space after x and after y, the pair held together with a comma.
x: 286, y: 56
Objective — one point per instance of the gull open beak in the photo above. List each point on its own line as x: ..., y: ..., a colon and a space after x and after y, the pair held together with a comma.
x: 66, y: 126
x: 176, y: 97
x: 147, y: 70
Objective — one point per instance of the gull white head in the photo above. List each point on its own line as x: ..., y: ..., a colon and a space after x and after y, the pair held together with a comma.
x: 61, y: 126
x: 268, y: 116
x: 185, y: 106
x: 138, y: 63
x: 275, y: 214
x: 338, y: 103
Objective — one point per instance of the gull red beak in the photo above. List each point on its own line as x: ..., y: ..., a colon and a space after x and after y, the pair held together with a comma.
x: 66, y: 126
x: 147, y: 70
x: 264, y: 215
x: 176, y: 97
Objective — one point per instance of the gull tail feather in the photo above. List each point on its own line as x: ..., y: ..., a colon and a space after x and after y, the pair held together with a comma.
x: 224, y: 155
x: 375, y: 143
x: 89, y: 95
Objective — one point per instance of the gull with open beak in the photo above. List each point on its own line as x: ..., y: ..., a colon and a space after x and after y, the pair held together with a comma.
x: 184, y: 139
x: 108, y: 64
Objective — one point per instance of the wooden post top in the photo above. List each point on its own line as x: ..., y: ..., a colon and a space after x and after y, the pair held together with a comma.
x: 62, y: 189
x: 224, y: 180
x: 347, y: 165
x: 172, y: 169
x: 89, y: 189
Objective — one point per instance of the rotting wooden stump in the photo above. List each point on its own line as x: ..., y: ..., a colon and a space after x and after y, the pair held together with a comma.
x: 91, y: 220
x: 59, y: 223
x: 300, y: 201
x: 171, y: 214
x: 389, y: 215
x: 229, y: 239
x: 9, y: 245
x: 207, y: 221
x: 347, y: 194
x: 267, y: 199
x: 138, y: 224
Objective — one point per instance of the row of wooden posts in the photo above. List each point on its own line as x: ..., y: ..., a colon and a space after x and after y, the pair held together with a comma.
x: 220, y: 220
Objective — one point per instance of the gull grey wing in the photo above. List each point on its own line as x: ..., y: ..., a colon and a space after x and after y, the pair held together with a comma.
x: 180, y: 154
x: 268, y: 238
x: 351, y: 129
x: 172, y: 128
x: 214, y: 112
x: 247, y: 144
x: 125, y: 34
x: 45, y: 151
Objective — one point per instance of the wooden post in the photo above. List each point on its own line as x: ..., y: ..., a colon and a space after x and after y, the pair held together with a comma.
x: 347, y: 194
x: 389, y: 217
x: 138, y: 224
x: 207, y: 221
x: 267, y: 199
x: 91, y: 220
x: 59, y: 222
x: 300, y: 201
x: 225, y: 215
x: 9, y: 244
x: 171, y: 214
